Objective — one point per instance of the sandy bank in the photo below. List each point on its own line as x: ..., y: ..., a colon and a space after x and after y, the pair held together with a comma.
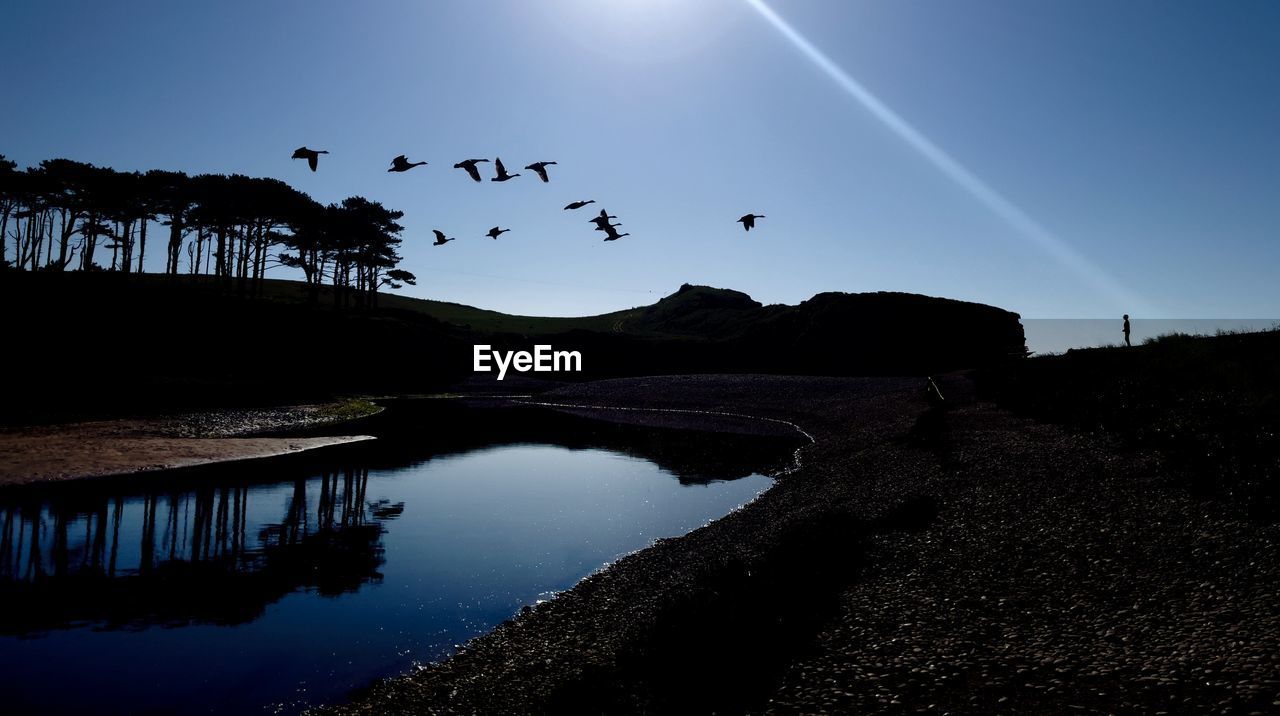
x: 118, y: 447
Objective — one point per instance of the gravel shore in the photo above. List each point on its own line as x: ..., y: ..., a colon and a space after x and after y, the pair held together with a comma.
x: 919, y: 561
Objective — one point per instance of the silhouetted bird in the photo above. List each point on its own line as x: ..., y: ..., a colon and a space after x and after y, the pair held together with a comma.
x: 580, y: 204
x: 402, y: 164
x: 311, y: 155
x: 440, y: 239
x: 606, y: 215
x: 613, y: 235
x: 495, y: 232
x: 470, y: 166
x: 502, y: 171
x: 601, y: 222
x: 749, y: 221
x: 540, y: 168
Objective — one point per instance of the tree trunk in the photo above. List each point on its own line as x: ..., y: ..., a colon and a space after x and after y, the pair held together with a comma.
x: 46, y: 243
x: 126, y: 245
x: 260, y: 260
x: 68, y: 228
x: 199, y: 244
x: 26, y: 241
x: 220, y: 267
x: 242, y: 261
x: 35, y: 230
x: 4, y: 226
x: 90, y: 242
x: 142, y: 245
x: 175, y: 244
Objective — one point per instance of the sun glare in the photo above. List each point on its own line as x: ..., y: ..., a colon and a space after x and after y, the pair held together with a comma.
x: 636, y: 32
x: 643, y: 7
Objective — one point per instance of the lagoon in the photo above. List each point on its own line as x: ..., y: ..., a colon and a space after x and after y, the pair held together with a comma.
x: 271, y: 587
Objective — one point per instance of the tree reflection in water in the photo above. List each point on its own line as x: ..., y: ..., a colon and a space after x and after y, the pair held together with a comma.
x: 261, y: 574
x: 62, y: 558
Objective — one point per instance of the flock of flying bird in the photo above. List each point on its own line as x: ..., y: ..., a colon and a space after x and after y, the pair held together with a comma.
x: 601, y: 220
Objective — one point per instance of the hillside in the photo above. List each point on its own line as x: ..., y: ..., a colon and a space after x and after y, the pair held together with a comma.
x: 105, y: 342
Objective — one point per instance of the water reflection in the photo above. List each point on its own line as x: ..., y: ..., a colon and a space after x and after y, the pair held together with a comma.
x: 178, y: 557
x: 416, y: 429
x: 285, y: 583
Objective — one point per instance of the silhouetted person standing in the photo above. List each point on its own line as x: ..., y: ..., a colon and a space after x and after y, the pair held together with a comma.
x: 1126, y: 330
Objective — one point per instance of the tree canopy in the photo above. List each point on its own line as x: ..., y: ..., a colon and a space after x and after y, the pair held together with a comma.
x: 65, y: 215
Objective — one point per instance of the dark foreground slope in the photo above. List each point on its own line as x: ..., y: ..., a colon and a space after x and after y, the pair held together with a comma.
x: 1210, y: 404
x: 109, y: 344
x: 964, y: 561
x: 102, y: 344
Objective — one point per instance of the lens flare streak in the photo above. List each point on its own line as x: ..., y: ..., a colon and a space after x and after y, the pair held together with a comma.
x: 1003, y: 208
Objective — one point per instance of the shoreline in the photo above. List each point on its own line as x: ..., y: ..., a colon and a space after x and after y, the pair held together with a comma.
x: 965, y: 561
x: 126, y: 448
x: 959, y: 561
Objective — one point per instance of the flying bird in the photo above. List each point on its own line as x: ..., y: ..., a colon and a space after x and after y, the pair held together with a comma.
x: 495, y: 232
x: 470, y: 166
x: 502, y: 171
x: 540, y: 168
x: 311, y: 155
x: 601, y: 222
x: 612, y: 234
x: 580, y: 204
x: 748, y: 221
x: 440, y: 239
x: 402, y: 164
x: 602, y: 219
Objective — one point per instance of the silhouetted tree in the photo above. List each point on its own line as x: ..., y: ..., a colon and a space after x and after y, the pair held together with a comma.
x: 215, y: 215
x: 34, y: 195
x: 396, y: 277
x: 311, y: 238
x: 367, y: 242
x: 238, y: 227
x: 271, y: 206
x: 125, y: 205
x: 8, y: 202
x: 94, y: 225
x: 172, y: 200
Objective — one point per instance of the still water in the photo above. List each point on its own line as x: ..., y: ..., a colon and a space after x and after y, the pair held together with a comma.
x: 266, y: 589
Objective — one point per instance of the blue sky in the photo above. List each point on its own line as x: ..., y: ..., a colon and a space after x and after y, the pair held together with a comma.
x: 1142, y: 136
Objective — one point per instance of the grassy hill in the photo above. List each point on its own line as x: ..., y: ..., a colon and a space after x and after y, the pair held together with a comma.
x: 455, y: 315
x: 479, y: 319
